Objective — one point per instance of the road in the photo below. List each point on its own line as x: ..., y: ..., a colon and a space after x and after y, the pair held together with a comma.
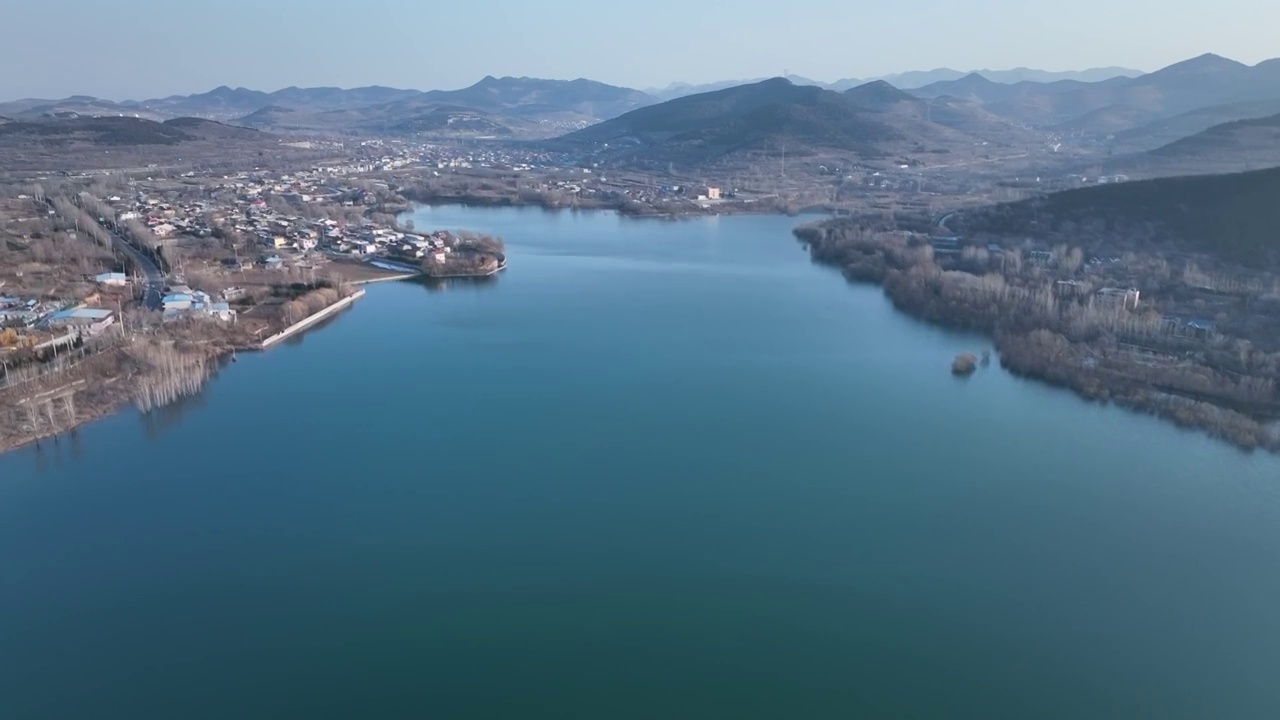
x: 153, y: 291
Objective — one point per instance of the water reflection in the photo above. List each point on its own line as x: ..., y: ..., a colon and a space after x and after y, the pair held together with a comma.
x: 297, y: 338
x: 162, y: 419
x: 437, y: 285
x: 50, y: 452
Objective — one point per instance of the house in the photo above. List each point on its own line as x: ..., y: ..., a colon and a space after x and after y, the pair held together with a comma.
x: 19, y: 316
x: 1070, y: 288
x: 945, y: 245
x: 1042, y: 257
x: 86, y: 320
x: 713, y: 193
x: 1200, y: 328
x: 177, y: 301
x: 1119, y: 297
x: 112, y: 279
x: 221, y: 311
x: 1190, y: 328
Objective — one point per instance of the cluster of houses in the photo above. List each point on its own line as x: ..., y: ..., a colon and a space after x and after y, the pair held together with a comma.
x: 181, y: 301
x: 39, y: 324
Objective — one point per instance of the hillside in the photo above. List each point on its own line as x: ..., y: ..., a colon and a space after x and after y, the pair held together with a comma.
x: 1230, y: 147
x: 455, y: 120
x: 527, y: 96
x: 1162, y: 132
x: 929, y: 120
x: 880, y: 95
x: 1120, y: 103
x: 537, y: 106
x: 1231, y: 216
x: 203, y: 129
x: 874, y: 120
x: 271, y: 116
x: 97, y: 131
x: 910, y: 80
x: 748, y: 117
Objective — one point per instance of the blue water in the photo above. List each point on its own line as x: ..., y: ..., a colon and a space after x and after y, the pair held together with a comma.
x: 655, y: 469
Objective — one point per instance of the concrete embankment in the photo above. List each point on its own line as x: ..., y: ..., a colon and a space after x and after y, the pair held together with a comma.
x: 389, y: 278
x: 312, y: 319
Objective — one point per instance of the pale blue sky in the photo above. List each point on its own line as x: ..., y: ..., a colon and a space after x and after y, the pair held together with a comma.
x: 148, y: 48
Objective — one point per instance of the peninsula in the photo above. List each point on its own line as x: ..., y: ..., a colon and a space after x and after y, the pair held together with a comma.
x: 1158, y: 296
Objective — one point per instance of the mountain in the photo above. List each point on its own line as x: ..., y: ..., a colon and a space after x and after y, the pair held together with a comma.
x: 332, y: 98
x: 271, y: 116
x: 881, y: 95
x: 456, y: 120
x: 221, y: 102
x: 1229, y: 147
x: 1090, y: 75
x: 119, y: 131
x: 912, y: 80
x: 679, y: 90
x: 531, y: 96
x: 873, y: 120
x: 918, y: 79
x: 758, y: 116
x: 1164, y: 131
x: 1120, y: 103
x: 937, y: 121
x: 537, y: 106
x: 971, y: 86
x: 1231, y: 216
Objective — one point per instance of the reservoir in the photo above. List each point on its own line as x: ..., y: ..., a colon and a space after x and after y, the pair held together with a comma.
x: 654, y: 469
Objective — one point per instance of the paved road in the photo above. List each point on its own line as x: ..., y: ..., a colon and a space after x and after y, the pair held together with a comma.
x: 153, y: 291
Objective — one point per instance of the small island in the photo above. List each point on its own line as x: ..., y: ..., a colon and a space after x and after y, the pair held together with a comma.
x: 463, y: 255
x: 964, y: 365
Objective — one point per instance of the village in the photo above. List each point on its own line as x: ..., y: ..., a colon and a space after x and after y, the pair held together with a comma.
x: 230, y: 249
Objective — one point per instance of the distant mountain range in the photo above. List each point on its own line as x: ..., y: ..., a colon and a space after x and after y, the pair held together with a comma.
x: 871, y: 120
x: 580, y: 100
x: 913, y: 79
x: 489, y: 106
x: 117, y: 131
x: 1120, y: 103
x: 1131, y: 113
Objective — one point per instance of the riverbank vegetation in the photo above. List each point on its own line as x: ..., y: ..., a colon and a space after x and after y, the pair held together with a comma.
x: 466, y: 255
x: 1176, y: 335
x: 48, y: 392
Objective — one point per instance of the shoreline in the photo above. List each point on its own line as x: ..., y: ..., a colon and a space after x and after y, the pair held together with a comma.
x: 491, y: 273
x: 1107, y: 384
x: 1116, y: 395
x: 645, y: 212
x: 310, y: 320
x: 94, y: 413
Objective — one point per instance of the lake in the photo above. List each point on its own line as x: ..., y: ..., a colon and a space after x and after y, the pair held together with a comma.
x: 654, y: 469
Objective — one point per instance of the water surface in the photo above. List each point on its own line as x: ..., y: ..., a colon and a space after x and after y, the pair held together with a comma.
x: 656, y: 469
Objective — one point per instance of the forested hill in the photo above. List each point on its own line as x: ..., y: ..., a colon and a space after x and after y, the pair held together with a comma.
x: 1236, y: 217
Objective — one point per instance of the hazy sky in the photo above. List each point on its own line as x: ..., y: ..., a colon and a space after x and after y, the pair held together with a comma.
x: 148, y: 48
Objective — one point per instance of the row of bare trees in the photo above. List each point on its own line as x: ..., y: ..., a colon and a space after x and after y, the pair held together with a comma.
x: 1075, y: 338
